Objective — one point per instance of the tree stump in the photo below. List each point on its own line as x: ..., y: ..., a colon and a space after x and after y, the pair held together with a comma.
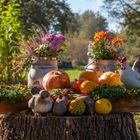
x: 116, y: 126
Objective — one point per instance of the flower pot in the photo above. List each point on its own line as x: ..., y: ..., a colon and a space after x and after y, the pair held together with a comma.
x: 6, y: 107
x: 38, y: 70
x: 101, y: 66
x: 131, y: 105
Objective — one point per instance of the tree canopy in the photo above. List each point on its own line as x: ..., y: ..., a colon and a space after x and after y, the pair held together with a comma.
x: 127, y: 13
x: 87, y: 24
x: 91, y: 23
x: 55, y: 15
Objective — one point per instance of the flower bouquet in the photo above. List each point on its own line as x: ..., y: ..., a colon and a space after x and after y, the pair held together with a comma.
x: 104, y: 47
x: 43, y: 46
x: 103, y: 52
x: 42, y: 52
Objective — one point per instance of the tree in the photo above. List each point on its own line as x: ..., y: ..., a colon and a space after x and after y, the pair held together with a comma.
x: 127, y: 13
x: 87, y: 24
x: 11, y: 30
x: 77, y: 49
x: 91, y: 23
x: 126, y: 10
x: 55, y: 15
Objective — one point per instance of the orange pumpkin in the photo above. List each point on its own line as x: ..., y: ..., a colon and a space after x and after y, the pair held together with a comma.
x: 90, y: 76
x: 55, y: 79
x: 110, y: 79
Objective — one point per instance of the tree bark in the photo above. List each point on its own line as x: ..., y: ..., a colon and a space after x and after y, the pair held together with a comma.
x: 116, y: 126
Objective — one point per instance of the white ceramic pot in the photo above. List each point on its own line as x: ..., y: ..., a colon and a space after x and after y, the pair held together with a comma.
x: 38, y: 70
x: 101, y: 66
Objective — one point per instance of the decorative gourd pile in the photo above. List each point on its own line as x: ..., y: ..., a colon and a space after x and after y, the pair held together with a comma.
x: 87, y: 95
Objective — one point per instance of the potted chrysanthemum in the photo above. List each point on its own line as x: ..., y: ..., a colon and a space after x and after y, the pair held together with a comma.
x: 104, y: 51
x: 13, y: 98
x: 42, y: 52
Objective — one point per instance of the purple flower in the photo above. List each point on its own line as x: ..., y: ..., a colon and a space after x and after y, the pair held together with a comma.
x: 54, y: 40
x: 57, y: 41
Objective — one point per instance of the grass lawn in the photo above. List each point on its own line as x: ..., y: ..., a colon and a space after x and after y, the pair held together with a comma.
x: 74, y: 73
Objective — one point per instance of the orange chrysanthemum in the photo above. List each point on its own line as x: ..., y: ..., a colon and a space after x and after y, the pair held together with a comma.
x: 101, y: 36
x: 117, y: 40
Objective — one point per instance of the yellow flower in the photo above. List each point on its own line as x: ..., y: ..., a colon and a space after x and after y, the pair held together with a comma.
x: 118, y: 41
x: 99, y: 36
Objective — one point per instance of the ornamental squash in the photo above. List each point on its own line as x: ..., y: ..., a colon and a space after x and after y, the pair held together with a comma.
x: 103, y: 106
x: 87, y: 86
x: 110, y: 79
x: 55, y: 79
x: 90, y: 76
x: 77, y: 107
x: 89, y: 102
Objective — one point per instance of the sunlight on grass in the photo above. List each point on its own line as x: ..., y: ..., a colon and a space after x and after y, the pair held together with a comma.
x: 74, y: 73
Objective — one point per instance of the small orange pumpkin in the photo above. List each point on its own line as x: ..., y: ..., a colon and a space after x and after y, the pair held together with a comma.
x: 90, y: 76
x: 110, y: 79
x: 55, y: 79
x: 87, y: 86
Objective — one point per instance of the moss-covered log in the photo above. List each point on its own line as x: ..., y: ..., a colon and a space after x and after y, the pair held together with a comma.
x: 116, y: 126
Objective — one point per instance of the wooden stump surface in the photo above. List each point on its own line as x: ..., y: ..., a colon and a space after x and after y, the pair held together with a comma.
x: 116, y: 126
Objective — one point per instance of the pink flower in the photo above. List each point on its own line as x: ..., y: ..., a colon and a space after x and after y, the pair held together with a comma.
x: 57, y: 41
x: 54, y: 40
x: 48, y: 38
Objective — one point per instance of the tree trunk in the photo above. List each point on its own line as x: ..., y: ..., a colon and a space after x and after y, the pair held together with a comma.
x: 116, y: 126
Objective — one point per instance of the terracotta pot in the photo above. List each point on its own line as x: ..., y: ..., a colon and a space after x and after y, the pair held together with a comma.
x: 6, y: 108
x: 101, y: 66
x: 39, y: 69
x: 131, y: 105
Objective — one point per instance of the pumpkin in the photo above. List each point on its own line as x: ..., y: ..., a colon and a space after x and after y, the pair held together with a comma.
x: 110, y: 79
x: 103, y: 106
x: 87, y: 86
x: 90, y: 76
x: 77, y: 107
x: 55, y: 79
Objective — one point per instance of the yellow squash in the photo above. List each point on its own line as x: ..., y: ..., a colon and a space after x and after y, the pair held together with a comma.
x: 87, y: 86
x: 90, y: 76
x: 103, y: 106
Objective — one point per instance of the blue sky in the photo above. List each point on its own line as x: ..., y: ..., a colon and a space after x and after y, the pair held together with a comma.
x: 81, y: 5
